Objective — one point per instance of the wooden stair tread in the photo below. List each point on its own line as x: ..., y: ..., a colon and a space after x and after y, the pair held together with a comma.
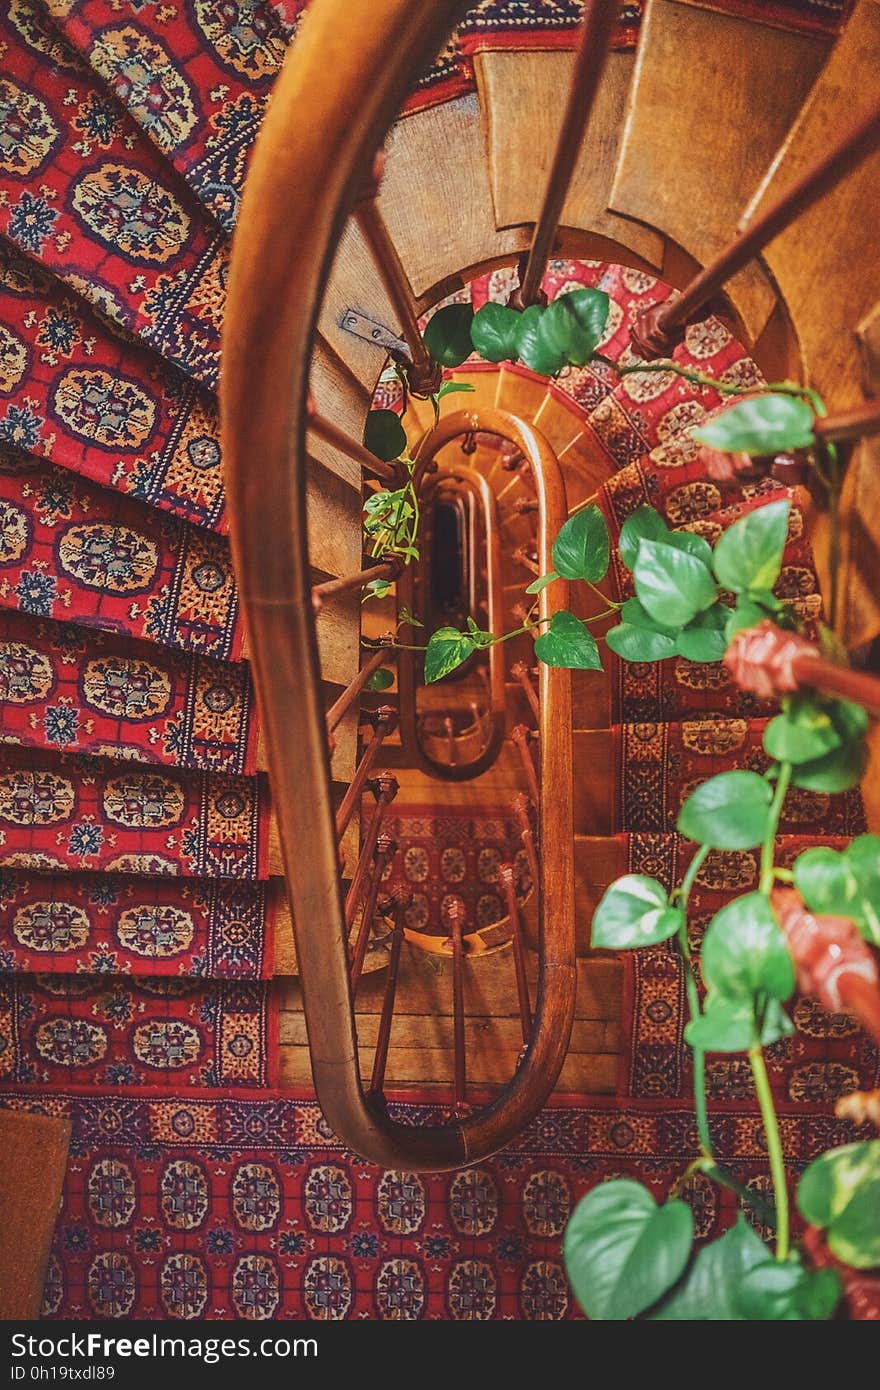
x: 713, y: 95
x: 443, y: 224
x: 355, y: 283
x: 835, y: 242
x: 521, y: 95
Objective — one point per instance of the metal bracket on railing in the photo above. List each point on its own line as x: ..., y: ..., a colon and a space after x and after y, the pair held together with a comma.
x: 360, y: 325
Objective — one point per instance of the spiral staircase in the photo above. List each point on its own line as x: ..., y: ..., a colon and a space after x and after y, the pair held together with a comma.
x: 118, y: 604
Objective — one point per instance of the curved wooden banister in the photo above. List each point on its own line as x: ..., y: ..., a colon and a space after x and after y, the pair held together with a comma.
x: 479, y: 488
x: 351, y: 78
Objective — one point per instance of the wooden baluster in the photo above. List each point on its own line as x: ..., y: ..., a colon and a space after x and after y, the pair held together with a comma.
x: 511, y: 462
x: 454, y: 916
x: 338, y: 439
x: 331, y: 588
x: 521, y: 808
x: 385, y: 849
x: 339, y: 709
x: 507, y: 876
x: 521, y: 737
x: 599, y: 22
x: 850, y: 424
x: 522, y: 557
x: 520, y: 672
x: 525, y: 506
x: 384, y: 721
x: 384, y: 788
x: 424, y: 374
x: 655, y: 330
x: 401, y: 901
x: 521, y: 476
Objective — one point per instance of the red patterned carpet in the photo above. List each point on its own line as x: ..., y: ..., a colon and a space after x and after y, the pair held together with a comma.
x: 136, y: 943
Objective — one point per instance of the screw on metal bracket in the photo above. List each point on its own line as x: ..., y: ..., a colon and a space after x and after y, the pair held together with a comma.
x: 360, y: 326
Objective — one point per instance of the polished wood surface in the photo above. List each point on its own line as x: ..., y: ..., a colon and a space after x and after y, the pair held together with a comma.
x: 712, y: 96
x: 519, y: 96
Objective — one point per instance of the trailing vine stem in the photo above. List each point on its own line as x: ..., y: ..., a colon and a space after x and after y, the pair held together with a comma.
x: 774, y: 1148
x: 693, y: 998
x: 768, y: 871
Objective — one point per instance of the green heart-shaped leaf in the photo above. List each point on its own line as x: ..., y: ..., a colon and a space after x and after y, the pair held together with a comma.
x: 729, y: 811
x: 783, y: 1291
x: 634, y: 912
x: 447, y: 334
x: 839, y: 770
x: 532, y: 345
x: 749, y: 611
x: 672, y: 585
x: 568, y: 643
x: 493, y: 333
x: 840, y: 1192
x: 574, y: 324
x: 705, y: 637
x: 803, y: 732
x: 450, y: 388
x: 644, y: 524
x: 381, y: 679
x: 622, y: 1252
x: 539, y: 584
x: 728, y: 1025
x: 447, y: 649
x: 760, y: 425
x: 745, y: 953
x: 640, y: 643
x: 706, y: 1293
x: 582, y: 548
x: 384, y: 435
x: 749, y: 553
x: 693, y: 544
x: 844, y: 884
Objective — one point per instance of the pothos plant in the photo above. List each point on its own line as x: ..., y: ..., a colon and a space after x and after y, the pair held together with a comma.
x: 626, y: 1255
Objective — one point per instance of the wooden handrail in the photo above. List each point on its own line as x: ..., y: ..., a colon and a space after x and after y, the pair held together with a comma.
x: 338, y: 438
x: 303, y: 179
x: 862, y: 420
x: 831, y: 679
x: 654, y: 331
x: 425, y: 375
x: 482, y: 494
x: 599, y: 23
x: 332, y: 588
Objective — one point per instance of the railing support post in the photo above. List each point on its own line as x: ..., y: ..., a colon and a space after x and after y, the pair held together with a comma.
x: 508, y: 883
x: 383, y: 722
x: 380, y: 1056
x: 385, y: 849
x: 599, y: 22
x: 385, y: 787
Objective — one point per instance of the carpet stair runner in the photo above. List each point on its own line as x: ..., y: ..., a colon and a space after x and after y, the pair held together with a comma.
x: 137, y: 909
